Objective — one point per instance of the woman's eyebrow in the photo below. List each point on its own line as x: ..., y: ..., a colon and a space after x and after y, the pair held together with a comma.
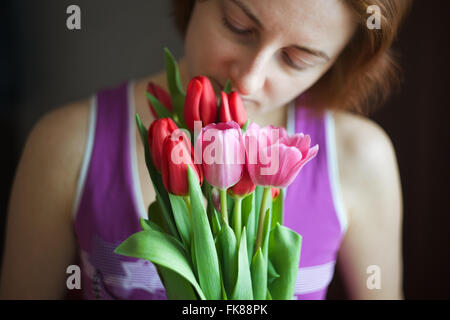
x: 253, y: 17
x: 248, y: 12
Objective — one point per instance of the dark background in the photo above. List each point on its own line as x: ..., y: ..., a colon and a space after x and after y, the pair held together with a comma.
x: 44, y: 65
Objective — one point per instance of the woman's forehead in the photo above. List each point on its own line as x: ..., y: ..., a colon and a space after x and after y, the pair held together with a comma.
x: 306, y: 21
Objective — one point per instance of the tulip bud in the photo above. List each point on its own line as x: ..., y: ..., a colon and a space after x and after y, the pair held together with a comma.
x: 162, y: 97
x: 224, y: 113
x: 275, y: 193
x: 232, y: 109
x: 177, y: 155
x: 158, y: 131
x: 244, y: 187
x: 200, y: 103
x: 237, y: 109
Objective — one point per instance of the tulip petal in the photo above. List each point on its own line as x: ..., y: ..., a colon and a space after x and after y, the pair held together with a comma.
x: 191, y: 110
x: 208, y: 104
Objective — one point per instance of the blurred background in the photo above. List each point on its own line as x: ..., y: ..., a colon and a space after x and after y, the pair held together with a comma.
x: 44, y: 65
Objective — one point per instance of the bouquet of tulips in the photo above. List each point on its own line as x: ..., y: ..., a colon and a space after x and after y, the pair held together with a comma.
x: 216, y: 228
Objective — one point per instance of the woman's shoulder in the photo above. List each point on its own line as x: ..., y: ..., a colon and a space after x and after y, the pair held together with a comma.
x: 358, y: 136
x: 65, y: 127
x: 59, y: 140
x: 366, y: 159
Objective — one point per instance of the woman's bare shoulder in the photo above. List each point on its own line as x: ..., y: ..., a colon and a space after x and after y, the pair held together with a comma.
x: 59, y: 138
x: 361, y: 144
x: 40, y: 224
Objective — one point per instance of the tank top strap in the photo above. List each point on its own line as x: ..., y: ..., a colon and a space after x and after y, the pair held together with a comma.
x: 107, y: 190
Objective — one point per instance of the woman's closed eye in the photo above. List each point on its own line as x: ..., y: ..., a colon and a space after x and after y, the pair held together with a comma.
x: 300, y: 65
x: 235, y: 29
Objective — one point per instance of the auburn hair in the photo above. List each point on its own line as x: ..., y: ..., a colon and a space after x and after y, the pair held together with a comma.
x: 367, y: 70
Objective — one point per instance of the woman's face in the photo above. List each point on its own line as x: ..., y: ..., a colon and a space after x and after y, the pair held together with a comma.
x: 272, y: 51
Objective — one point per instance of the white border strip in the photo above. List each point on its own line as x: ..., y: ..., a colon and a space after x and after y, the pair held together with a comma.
x: 139, y: 201
x: 314, y: 278
x: 87, y: 155
x: 290, y: 125
x: 290, y: 128
x: 333, y: 170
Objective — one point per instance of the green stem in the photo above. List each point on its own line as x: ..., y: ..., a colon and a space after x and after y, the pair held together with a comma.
x: 267, y: 196
x: 223, y: 205
x: 237, y: 224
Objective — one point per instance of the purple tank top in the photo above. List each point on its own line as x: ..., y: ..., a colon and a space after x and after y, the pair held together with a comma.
x: 109, y: 204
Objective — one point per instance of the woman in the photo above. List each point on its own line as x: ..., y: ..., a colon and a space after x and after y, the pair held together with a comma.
x: 308, y: 65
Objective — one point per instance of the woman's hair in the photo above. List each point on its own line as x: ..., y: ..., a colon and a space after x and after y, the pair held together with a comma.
x: 365, y: 73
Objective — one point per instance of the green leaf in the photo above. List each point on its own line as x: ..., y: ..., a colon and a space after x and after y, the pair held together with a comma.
x: 272, y: 274
x: 243, y: 289
x: 245, y: 127
x: 248, y: 220
x: 178, y: 287
x: 155, y: 216
x: 160, y: 109
x: 284, y: 252
x: 228, y: 257
x: 260, y: 262
x: 259, y: 276
x: 149, y: 225
x: 174, y: 84
x: 277, y: 209
x: 161, y: 249
x: 205, y: 251
x: 227, y: 88
x: 182, y: 220
x: 224, y: 294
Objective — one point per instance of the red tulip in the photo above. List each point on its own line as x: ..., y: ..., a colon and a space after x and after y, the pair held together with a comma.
x: 157, y: 133
x: 232, y: 109
x: 177, y: 155
x: 244, y: 187
x: 161, y: 95
x: 275, y: 193
x: 200, y: 103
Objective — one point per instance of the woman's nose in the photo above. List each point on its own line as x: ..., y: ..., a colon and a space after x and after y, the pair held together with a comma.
x: 249, y: 75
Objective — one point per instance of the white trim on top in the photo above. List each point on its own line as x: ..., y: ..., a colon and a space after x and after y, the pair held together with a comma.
x: 137, y: 191
x: 290, y: 125
x: 333, y: 170
x: 87, y: 155
x: 290, y: 128
x: 314, y: 278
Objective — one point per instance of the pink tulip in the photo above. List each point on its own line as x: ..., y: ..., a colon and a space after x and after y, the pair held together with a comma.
x: 222, y: 154
x: 275, y: 158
